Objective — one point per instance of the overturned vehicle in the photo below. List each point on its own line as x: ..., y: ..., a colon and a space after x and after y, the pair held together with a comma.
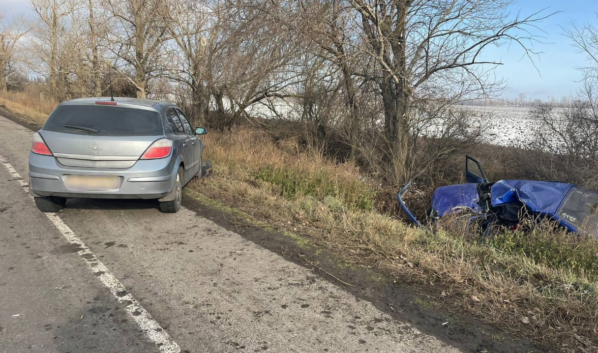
x: 506, y: 203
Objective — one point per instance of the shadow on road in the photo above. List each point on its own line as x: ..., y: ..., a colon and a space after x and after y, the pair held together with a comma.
x: 111, y: 204
x: 99, y: 325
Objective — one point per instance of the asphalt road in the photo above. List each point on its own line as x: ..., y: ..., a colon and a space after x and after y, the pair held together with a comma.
x: 207, y: 289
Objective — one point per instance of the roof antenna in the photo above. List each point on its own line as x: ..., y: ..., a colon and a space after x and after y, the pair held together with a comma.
x: 110, y: 82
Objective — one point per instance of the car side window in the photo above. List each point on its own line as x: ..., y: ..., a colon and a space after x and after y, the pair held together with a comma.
x: 174, y: 121
x: 185, y: 122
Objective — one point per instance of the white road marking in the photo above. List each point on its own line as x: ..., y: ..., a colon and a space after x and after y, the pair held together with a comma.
x: 11, y: 170
x: 150, y: 327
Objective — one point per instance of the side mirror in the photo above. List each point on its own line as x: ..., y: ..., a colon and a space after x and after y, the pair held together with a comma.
x: 201, y: 131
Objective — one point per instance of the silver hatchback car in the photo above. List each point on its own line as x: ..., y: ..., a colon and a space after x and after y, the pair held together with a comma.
x: 122, y: 149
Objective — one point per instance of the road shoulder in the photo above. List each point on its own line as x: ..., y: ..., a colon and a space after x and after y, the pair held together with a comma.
x: 403, y: 302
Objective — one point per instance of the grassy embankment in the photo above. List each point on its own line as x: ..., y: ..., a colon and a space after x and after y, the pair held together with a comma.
x: 542, y: 285
x: 28, y: 104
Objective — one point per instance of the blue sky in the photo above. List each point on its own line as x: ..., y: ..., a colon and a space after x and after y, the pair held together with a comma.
x: 554, y: 75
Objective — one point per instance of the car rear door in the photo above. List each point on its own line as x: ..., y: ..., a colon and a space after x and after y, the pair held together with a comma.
x: 180, y: 139
x: 196, y: 143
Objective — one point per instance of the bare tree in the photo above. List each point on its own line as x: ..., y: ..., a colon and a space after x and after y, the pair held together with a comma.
x: 10, y: 35
x: 52, y: 14
x: 585, y: 39
x: 140, y: 30
x: 232, y: 54
x: 93, y: 43
x: 328, y: 25
x: 189, y: 24
x: 429, y: 49
x: 261, y: 56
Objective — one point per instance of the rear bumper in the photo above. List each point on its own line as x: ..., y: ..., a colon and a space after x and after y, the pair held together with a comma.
x: 147, y: 179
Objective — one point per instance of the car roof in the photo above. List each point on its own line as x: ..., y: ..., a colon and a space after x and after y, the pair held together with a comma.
x: 121, y: 101
x: 538, y: 196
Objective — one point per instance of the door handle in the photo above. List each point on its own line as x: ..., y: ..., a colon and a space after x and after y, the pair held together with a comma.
x: 184, y: 144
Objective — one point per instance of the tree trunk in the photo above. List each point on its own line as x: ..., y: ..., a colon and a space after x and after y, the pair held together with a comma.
x: 200, y: 105
x: 348, y: 81
x: 95, y: 64
x: 140, y: 76
x: 141, y: 83
x: 54, y: 50
x: 3, y: 86
x: 220, y: 122
x: 353, y: 118
x: 396, y: 130
x: 396, y: 97
x: 3, y: 63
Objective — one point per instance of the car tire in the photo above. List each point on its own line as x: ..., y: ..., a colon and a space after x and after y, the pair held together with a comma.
x: 50, y: 204
x: 175, y: 205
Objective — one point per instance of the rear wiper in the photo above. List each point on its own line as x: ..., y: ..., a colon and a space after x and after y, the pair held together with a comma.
x: 84, y: 128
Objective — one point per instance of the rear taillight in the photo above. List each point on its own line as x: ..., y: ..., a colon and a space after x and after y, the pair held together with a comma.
x: 39, y: 146
x: 158, y: 149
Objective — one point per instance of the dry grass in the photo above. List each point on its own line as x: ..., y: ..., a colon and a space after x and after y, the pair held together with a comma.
x: 249, y: 155
x: 30, y: 103
x: 535, y: 293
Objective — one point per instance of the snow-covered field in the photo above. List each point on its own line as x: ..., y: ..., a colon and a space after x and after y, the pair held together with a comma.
x: 506, y: 126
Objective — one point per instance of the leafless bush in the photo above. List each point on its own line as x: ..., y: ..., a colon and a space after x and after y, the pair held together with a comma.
x: 437, y: 136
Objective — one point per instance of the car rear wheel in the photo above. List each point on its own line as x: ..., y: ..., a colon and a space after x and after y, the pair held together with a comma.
x: 174, y: 205
x: 50, y: 204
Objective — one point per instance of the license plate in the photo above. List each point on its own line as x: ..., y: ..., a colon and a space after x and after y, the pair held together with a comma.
x: 91, y: 182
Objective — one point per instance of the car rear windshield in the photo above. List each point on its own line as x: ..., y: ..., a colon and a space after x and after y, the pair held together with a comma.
x: 104, y: 121
x: 581, y: 209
